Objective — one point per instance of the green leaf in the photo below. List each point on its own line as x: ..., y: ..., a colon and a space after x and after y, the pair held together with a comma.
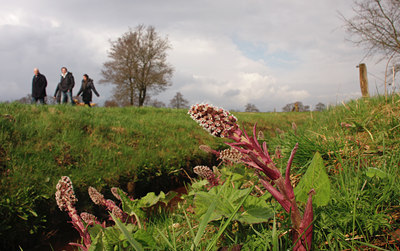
x: 97, y: 243
x: 199, y: 184
x: 151, y: 199
x: 372, y: 171
x: 227, y: 197
x: 316, y: 178
x: 145, y: 238
x: 129, y: 206
x: 255, y: 215
x: 111, y: 237
x: 95, y: 230
x: 231, y: 217
x: 135, y: 244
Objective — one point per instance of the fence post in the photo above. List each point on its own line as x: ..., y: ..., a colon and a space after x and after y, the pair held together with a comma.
x: 363, y: 80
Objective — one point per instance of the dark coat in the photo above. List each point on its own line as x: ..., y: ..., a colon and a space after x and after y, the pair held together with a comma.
x: 86, y: 90
x: 39, y: 84
x: 67, y: 83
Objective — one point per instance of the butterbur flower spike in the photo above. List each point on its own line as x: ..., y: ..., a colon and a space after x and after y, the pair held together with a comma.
x: 88, y: 218
x: 96, y: 197
x: 231, y: 155
x: 65, y: 198
x: 99, y: 199
x: 65, y: 195
x: 216, y: 121
x: 206, y: 173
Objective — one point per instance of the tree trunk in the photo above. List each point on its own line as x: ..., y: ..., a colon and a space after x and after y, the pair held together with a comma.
x: 131, y: 94
x: 142, y: 96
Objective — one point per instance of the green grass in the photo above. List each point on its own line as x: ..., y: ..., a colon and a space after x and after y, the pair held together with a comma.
x: 137, y: 149
x: 104, y: 147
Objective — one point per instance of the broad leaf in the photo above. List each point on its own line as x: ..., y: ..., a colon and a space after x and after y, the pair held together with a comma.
x: 372, y: 171
x: 226, y: 197
x: 315, y: 178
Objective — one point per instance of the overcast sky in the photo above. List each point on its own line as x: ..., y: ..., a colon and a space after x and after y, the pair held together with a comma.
x: 225, y: 52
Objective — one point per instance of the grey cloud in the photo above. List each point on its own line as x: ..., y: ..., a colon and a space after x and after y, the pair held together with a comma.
x: 232, y: 93
x: 48, y: 35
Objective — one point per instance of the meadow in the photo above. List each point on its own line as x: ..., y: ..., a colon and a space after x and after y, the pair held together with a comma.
x: 142, y: 150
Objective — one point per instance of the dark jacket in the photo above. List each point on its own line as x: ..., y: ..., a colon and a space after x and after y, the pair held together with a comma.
x: 86, y: 90
x: 39, y: 84
x: 67, y: 83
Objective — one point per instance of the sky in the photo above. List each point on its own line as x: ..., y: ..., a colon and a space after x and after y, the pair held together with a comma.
x: 224, y: 52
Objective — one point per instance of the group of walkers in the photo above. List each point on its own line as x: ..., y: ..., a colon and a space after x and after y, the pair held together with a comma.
x: 64, y: 88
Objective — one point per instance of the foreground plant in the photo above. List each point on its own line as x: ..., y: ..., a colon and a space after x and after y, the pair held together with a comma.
x: 66, y: 199
x: 98, y: 235
x: 221, y: 123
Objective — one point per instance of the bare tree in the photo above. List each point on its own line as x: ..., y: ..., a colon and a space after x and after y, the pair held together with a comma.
x: 376, y: 26
x: 25, y: 100
x: 111, y: 103
x: 320, y: 107
x: 251, y: 108
x: 296, y: 106
x: 178, y: 101
x: 156, y: 103
x: 138, y: 65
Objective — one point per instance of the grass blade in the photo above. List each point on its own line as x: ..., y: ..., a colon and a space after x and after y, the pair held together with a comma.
x: 166, y: 239
x: 136, y: 245
x: 274, y: 236
x: 203, y: 224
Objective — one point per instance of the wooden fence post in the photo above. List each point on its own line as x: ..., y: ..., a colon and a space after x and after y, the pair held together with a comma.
x: 363, y: 80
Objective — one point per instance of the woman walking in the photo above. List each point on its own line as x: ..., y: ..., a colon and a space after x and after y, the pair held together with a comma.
x: 86, y: 90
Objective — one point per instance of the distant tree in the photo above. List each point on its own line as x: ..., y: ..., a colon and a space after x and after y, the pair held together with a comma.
x: 251, y: 108
x: 178, y: 101
x: 305, y: 108
x: 296, y: 106
x: 156, y: 103
x: 111, y: 103
x: 320, y: 107
x: 25, y: 100
x: 376, y: 26
x: 138, y: 65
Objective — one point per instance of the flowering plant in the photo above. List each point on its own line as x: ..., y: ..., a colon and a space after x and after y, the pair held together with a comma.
x: 220, y: 123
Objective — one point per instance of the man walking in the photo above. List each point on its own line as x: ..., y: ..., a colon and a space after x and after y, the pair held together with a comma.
x: 66, y: 85
x: 39, y: 84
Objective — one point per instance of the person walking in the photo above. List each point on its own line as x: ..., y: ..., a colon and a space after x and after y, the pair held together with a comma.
x: 67, y: 83
x: 39, y: 84
x: 86, y: 90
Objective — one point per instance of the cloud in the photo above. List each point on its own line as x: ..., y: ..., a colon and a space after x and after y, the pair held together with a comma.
x: 226, y: 52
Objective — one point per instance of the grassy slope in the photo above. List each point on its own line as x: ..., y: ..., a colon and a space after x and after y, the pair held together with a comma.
x: 105, y: 147
x: 359, y: 142
x: 100, y: 147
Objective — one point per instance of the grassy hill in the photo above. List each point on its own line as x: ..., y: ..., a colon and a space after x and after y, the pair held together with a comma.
x: 148, y: 149
x: 137, y: 149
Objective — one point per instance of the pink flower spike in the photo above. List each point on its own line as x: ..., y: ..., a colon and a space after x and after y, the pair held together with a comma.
x: 288, y: 184
x: 206, y: 173
x: 216, y: 121
x: 65, y: 195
